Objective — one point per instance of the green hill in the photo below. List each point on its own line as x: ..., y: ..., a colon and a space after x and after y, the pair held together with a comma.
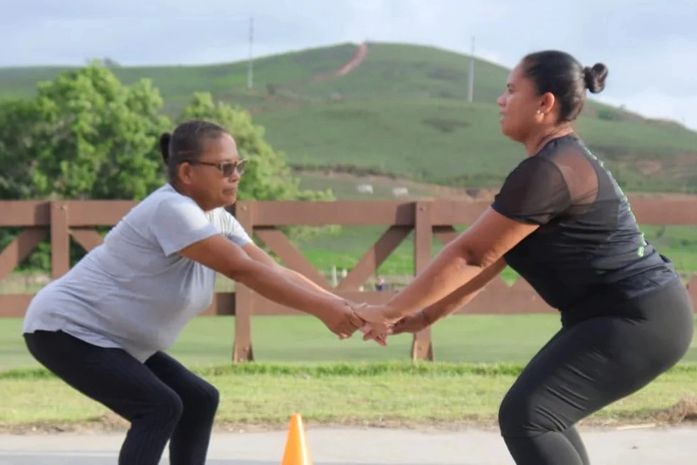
x: 403, y: 112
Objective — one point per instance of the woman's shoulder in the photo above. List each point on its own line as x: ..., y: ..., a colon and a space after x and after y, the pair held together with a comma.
x: 165, y: 192
x: 162, y: 203
x: 165, y: 195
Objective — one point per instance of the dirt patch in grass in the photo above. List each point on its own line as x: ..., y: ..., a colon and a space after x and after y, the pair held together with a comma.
x: 684, y: 411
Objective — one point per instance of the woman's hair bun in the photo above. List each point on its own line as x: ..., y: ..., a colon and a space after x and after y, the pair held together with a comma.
x: 595, y: 77
x: 165, y: 140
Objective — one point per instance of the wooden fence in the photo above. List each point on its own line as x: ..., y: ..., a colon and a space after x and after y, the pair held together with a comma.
x: 62, y: 221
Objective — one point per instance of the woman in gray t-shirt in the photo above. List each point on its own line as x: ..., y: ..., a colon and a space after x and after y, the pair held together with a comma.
x: 104, y: 326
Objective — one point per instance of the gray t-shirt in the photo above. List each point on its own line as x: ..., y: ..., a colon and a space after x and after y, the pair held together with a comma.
x: 135, y: 291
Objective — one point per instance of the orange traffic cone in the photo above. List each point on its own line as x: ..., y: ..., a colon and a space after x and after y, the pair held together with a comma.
x: 296, y: 452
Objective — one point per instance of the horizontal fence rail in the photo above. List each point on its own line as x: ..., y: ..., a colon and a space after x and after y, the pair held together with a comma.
x: 63, y: 221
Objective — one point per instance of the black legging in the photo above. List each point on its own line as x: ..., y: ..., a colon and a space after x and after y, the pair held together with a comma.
x: 162, y: 399
x: 588, y: 365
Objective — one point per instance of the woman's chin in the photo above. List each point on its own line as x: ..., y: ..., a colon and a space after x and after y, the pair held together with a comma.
x: 506, y: 131
x: 230, y: 197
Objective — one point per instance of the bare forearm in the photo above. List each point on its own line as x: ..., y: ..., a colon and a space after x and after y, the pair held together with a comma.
x: 275, y: 284
x: 293, y: 276
x: 463, y: 295
x: 254, y: 268
x: 448, y: 305
x: 490, y: 237
x: 447, y: 273
x: 302, y: 280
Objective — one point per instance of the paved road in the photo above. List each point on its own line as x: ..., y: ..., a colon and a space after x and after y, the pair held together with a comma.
x: 369, y: 446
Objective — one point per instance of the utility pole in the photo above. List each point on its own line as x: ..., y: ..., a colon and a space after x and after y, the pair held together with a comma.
x: 470, y: 87
x: 250, y: 64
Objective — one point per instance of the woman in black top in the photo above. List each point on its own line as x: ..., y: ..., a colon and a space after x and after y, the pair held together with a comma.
x: 564, y: 224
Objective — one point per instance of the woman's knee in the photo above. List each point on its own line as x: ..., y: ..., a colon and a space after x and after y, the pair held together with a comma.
x: 210, y: 398
x: 518, y: 416
x: 509, y: 417
x: 204, y: 399
x: 169, y: 408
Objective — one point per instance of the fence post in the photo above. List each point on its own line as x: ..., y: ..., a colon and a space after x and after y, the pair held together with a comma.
x: 60, y: 240
x: 244, y: 298
x: 422, y: 347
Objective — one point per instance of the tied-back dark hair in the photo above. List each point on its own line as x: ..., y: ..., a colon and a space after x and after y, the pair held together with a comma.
x: 186, y: 143
x: 562, y: 75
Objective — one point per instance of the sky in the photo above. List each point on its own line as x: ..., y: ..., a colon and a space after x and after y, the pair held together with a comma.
x: 649, y: 46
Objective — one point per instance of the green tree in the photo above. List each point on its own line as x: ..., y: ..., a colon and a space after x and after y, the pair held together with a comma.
x: 84, y: 135
x: 17, y: 119
x: 268, y: 176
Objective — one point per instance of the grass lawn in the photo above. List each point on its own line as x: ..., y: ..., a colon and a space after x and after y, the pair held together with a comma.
x: 348, y: 393
x: 302, y: 367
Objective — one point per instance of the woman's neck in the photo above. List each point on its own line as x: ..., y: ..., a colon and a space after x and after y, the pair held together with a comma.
x: 189, y: 193
x: 537, y: 141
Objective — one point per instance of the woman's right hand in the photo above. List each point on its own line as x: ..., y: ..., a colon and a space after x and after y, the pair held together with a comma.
x: 342, y: 321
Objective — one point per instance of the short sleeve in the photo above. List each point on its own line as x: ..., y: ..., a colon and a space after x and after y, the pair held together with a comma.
x: 231, y: 228
x: 534, y: 192
x: 178, y: 222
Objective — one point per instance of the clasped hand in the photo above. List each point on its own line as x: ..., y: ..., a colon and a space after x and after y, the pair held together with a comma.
x: 373, y: 321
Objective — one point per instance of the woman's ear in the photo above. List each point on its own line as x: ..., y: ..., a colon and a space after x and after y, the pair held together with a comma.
x: 547, y: 103
x: 184, y: 173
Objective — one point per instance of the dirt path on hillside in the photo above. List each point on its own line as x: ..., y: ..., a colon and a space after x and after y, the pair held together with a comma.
x: 358, y: 56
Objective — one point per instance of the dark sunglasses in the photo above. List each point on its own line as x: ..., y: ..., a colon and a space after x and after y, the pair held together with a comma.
x: 226, y: 167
